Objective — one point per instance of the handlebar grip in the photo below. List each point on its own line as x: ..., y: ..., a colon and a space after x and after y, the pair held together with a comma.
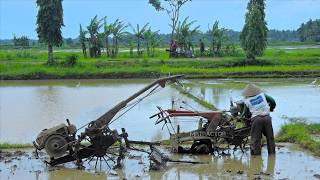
x: 68, y: 122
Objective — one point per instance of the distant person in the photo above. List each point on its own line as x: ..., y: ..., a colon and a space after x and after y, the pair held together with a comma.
x: 173, y: 48
x: 202, y: 47
x: 259, y: 105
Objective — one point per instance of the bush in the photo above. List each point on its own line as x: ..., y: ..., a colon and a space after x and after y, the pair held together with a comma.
x: 145, y: 63
x: 71, y: 60
x: 9, y: 57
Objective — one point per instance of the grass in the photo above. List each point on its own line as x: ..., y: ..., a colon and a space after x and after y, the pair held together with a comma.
x: 30, y: 55
x: 296, y: 56
x: 301, y: 133
x: 144, y: 69
x: 284, y: 43
x: 14, y: 146
x: 272, y: 55
x: 30, y: 64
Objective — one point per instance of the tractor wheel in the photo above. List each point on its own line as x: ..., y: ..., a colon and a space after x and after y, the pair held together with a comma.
x: 56, y: 146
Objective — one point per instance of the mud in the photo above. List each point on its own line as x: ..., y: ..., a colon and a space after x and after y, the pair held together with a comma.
x: 288, y: 163
x: 9, y: 156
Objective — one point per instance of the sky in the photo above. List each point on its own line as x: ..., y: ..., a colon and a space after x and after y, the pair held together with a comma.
x: 19, y: 16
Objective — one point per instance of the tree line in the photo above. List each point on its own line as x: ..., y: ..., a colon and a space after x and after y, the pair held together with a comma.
x: 310, y: 31
x: 233, y: 36
x: 164, y: 39
x: 22, y: 41
x: 100, y: 34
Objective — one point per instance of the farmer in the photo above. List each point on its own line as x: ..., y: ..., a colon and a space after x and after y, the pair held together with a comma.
x: 202, y: 47
x: 259, y: 105
x: 173, y: 48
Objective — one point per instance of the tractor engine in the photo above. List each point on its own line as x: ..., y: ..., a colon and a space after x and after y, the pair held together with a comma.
x: 56, y: 140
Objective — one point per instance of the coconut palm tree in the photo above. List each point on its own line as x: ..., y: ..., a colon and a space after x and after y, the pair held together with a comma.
x: 138, y: 33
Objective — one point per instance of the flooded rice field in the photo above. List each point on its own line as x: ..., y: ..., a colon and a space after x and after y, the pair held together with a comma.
x: 297, y: 47
x: 26, y: 107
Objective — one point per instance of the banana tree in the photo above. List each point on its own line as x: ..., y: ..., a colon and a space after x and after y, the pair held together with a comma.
x: 107, y: 32
x: 131, y: 46
x: 118, y: 28
x: 155, y: 42
x: 217, y: 38
x: 149, y: 38
x: 138, y: 33
x: 184, y: 34
x: 93, y: 30
x: 82, y: 40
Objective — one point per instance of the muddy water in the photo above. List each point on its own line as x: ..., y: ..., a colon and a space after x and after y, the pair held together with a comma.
x: 26, y: 107
x: 289, y: 162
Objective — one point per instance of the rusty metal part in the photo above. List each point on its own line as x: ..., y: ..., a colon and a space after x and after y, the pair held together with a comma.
x: 218, y: 128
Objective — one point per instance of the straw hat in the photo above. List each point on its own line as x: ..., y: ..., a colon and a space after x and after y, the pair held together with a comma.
x: 251, y: 90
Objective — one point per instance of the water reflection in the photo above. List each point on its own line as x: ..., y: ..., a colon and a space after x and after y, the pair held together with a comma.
x: 49, y: 102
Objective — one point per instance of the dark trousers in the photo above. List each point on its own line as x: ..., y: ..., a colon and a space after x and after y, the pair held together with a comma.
x: 261, y: 125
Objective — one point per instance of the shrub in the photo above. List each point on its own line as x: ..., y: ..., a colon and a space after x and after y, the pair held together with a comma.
x: 71, y: 60
x: 145, y: 63
x: 9, y: 57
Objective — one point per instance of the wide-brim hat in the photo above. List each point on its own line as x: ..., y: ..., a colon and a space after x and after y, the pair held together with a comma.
x: 251, y: 90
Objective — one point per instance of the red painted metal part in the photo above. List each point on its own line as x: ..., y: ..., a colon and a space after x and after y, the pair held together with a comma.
x: 207, y: 115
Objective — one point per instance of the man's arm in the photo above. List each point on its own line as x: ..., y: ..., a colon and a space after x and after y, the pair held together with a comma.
x: 271, y: 102
x: 245, y: 112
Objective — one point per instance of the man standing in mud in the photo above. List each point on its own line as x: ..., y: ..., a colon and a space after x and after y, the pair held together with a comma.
x: 259, y: 105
